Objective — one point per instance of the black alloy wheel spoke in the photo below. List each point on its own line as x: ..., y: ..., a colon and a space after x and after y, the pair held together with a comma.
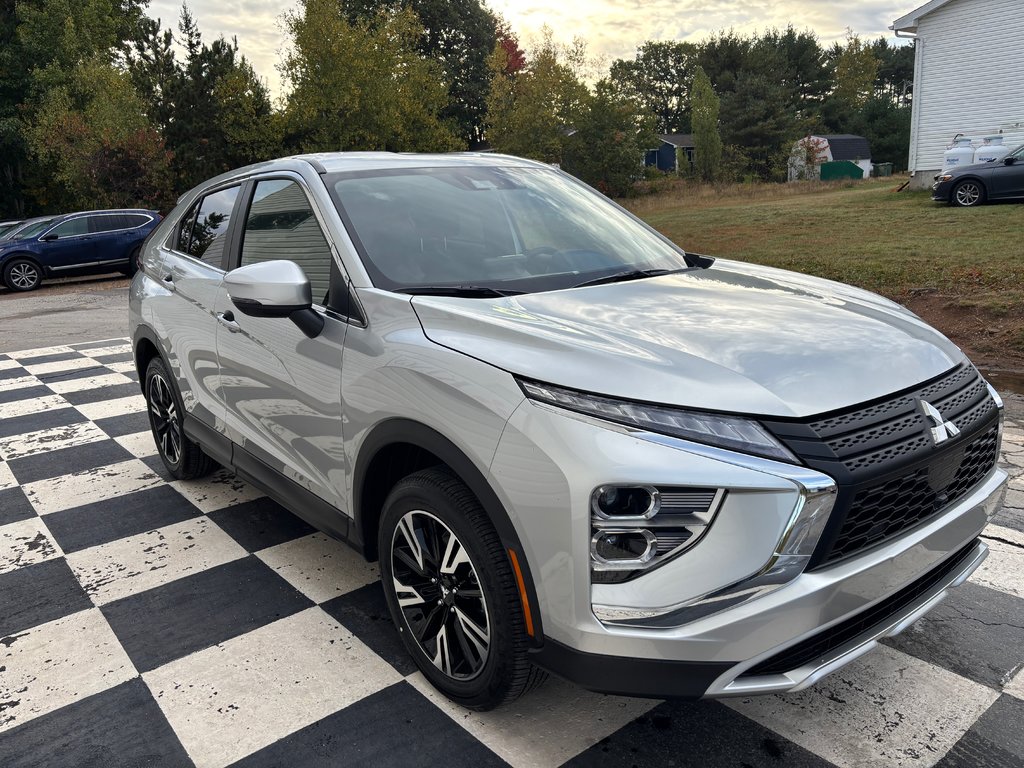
x: 438, y: 592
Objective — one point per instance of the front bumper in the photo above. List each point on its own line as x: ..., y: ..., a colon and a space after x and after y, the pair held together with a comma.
x: 711, y: 652
x: 941, y: 191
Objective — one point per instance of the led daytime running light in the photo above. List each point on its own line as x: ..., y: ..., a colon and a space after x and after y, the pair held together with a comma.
x: 733, y: 433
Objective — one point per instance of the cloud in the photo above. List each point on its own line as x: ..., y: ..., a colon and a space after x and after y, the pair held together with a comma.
x: 612, y: 28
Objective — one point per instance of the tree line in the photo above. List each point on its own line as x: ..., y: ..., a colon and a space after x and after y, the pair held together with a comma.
x: 100, y: 108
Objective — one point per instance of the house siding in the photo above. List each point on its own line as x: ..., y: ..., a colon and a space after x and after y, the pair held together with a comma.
x: 969, y: 78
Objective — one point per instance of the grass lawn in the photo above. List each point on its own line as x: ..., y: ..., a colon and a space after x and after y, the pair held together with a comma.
x: 960, y: 269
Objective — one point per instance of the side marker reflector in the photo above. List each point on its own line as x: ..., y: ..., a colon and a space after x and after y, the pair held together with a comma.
x: 527, y: 616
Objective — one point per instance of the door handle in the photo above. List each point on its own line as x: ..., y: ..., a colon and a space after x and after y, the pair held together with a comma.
x: 168, y: 282
x: 227, y: 319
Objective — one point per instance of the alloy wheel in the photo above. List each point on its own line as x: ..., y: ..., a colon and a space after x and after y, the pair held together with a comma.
x: 440, y: 596
x: 968, y: 194
x: 24, y: 276
x: 164, y: 415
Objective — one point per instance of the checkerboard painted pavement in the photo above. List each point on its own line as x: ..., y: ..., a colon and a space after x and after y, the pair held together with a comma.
x: 145, y: 621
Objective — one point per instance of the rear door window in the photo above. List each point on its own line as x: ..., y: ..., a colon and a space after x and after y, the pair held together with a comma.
x: 108, y: 222
x: 204, y: 230
x: 281, y: 225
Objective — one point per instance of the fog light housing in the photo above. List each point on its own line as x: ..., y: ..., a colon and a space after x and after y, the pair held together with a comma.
x: 635, y: 528
x: 625, y: 548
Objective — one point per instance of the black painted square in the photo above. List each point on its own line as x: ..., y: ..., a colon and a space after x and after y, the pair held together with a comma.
x: 698, y: 734
x: 55, y: 417
x: 996, y: 740
x: 97, y: 394
x: 12, y: 373
x: 23, y: 393
x: 173, y: 620
x: 14, y: 506
x: 260, y: 524
x: 112, y: 519
x: 125, y: 424
x: 393, y: 727
x: 64, y: 461
x: 364, y: 613
x: 121, y: 727
x: 976, y: 632
x: 36, y: 594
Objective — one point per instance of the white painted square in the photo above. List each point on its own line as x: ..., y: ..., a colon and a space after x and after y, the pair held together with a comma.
x: 221, y: 489
x: 118, y: 407
x: 8, y: 364
x: 109, y: 349
x: 56, y: 366
x: 230, y: 700
x: 320, y: 567
x: 125, y: 366
x: 134, y: 564
x: 886, y: 708
x: 88, y: 382
x: 1003, y: 569
x: 26, y: 542
x: 140, y: 444
x: 80, y: 488
x: 7, y: 479
x: 549, y: 726
x: 51, y: 439
x: 32, y: 405
x: 19, y: 382
x: 26, y: 354
x: 57, y: 663
x: 1015, y: 687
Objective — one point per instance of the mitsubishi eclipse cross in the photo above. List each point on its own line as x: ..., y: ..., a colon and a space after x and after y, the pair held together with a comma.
x: 572, y: 446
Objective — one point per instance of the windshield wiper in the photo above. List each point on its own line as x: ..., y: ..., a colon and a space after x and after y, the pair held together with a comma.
x: 631, y: 274
x: 464, y: 291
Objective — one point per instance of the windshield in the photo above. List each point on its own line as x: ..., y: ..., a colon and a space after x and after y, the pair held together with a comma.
x: 28, y: 229
x: 506, y: 228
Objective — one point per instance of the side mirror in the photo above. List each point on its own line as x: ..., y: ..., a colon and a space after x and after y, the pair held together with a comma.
x: 48, y: 238
x: 1009, y: 160
x: 275, y: 289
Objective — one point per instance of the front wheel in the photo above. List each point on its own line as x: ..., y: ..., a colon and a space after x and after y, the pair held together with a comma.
x: 22, y: 275
x: 451, y: 592
x: 968, y: 194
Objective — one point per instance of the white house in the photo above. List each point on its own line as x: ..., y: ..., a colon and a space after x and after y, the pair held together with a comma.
x: 968, y: 76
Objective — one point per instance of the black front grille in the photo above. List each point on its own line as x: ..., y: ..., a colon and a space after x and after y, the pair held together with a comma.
x: 892, y: 475
x: 820, y: 646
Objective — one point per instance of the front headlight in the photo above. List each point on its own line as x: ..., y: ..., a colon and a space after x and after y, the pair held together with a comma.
x: 733, y: 433
x: 944, y: 177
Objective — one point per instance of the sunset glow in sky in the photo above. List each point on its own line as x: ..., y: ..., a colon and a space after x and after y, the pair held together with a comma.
x: 612, y: 28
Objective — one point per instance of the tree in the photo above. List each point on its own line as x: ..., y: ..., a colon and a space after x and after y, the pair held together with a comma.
x: 458, y: 35
x: 94, y: 146
x: 609, y: 141
x: 658, y: 79
x: 532, y: 113
x: 707, y: 142
x: 856, y: 69
x: 754, y: 116
x: 361, y: 84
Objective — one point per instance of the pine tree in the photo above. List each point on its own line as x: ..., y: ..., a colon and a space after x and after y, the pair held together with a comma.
x: 704, y: 105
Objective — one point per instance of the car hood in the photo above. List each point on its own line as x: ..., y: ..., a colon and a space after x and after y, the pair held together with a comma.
x: 735, y: 338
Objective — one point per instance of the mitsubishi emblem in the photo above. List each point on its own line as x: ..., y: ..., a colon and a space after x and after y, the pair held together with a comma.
x: 943, y: 430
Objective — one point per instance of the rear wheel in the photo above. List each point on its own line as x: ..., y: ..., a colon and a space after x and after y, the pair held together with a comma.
x: 183, y: 458
x: 451, y: 592
x: 133, y: 263
x: 22, y: 275
x: 968, y: 194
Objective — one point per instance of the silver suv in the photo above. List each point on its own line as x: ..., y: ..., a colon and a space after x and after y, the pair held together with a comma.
x: 572, y: 446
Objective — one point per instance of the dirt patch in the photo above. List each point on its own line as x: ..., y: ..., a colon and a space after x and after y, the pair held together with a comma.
x: 993, y: 337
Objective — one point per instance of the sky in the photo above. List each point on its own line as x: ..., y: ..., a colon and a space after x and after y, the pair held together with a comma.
x: 612, y: 28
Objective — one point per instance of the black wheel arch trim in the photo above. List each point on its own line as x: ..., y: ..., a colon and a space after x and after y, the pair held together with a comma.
x: 400, y: 430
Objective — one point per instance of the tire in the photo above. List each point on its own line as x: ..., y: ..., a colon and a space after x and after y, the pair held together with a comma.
x: 21, y: 274
x: 968, y: 194
x: 471, y: 646
x: 133, y: 264
x: 183, y: 458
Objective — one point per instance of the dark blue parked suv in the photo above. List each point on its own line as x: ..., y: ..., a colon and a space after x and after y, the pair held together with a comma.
x: 87, y: 243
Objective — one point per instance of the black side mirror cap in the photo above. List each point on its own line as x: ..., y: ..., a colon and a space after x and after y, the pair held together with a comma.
x: 1009, y: 161
x: 48, y: 238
